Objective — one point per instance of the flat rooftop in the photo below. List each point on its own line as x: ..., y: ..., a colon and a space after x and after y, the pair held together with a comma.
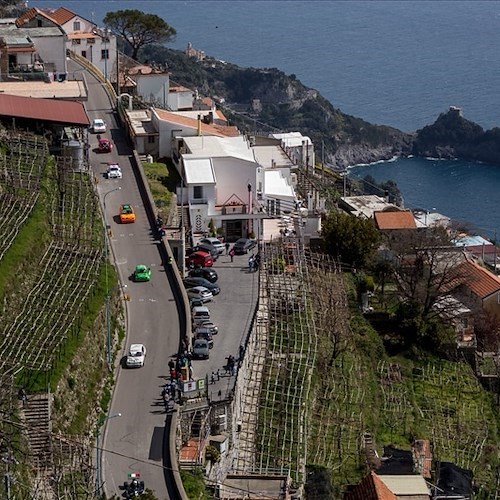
x: 69, y: 89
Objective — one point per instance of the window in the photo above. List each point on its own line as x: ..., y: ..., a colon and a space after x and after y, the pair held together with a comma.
x: 197, y: 192
x: 104, y: 54
x: 39, y: 23
x: 76, y: 41
x: 76, y: 26
x: 84, y: 54
x: 151, y: 139
x: 90, y: 40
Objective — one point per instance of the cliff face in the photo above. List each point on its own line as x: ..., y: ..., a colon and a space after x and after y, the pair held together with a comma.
x: 452, y: 136
x: 268, y: 100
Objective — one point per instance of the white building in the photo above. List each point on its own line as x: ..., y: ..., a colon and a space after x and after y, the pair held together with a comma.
x: 298, y: 147
x: 233, y: 184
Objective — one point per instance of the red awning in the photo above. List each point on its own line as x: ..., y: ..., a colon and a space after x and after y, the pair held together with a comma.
x: 50, y: 110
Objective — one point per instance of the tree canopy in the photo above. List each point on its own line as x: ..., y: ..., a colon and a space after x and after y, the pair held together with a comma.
x: 350, y: 239
x: 139, y: 28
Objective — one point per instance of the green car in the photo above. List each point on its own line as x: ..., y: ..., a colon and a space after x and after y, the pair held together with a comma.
x: 142, y: 273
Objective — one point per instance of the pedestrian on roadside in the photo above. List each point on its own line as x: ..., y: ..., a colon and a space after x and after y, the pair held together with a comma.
x: 227, y: 245
x: 23, y: 397
x: 231, y: 254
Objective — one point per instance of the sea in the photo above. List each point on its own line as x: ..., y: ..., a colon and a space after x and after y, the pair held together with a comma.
x: 398, y: 63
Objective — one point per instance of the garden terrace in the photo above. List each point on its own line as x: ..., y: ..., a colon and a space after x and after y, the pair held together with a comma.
x: 282, y: 428
x: 47, y: 309
x: 22, y: 162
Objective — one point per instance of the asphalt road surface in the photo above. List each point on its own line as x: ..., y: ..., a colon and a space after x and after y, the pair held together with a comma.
x: 134, y: 442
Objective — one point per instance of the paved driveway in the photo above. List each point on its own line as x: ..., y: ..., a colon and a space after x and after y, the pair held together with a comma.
x: 232, y: 311
x: 134, y: 441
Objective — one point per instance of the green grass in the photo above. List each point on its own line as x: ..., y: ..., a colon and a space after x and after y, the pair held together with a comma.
x: 162, y: 179
x: 194, y: 484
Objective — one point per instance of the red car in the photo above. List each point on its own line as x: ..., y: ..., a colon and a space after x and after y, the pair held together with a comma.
x: 105, y: 145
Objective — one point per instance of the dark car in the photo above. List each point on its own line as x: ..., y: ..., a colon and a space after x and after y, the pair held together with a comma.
x: 204, y: 272
x: 244, y: 245
x: 192, y: 282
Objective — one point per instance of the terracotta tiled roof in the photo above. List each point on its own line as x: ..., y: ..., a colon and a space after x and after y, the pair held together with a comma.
x: 370, y: 488
x: 27, y: 16
x: 44, y: 109
x: 62, y: 15
x: 476, y: 278
x: 206, y: 129
x: 401, y: 219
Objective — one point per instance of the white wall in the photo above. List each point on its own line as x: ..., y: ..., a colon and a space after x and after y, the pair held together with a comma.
x: 233, y: 176
x: 180, y: 100
x: 153, y: 88
x: 52, y: 49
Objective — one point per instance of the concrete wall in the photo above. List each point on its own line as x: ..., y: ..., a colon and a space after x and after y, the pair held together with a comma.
x: 52, y: 49
x: 233, y: 176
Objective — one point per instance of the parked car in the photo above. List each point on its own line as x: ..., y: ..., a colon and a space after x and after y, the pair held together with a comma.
x: 204, y: 272
x: 215, y: 242
x: 200, y: 292
x: 244, y: 245
x: 204, y: 333
x: 214, y: 329
x: 191, y: 282
x: 127, y: 214
x: 105, y: 145
x: 199, y: 314
x: 136, y: 356
x: 200, y: 258
x: 142, y: 273
x: 98, y: 126
x: 194, y: 302
x: 201, y: 349
x: 205, y: 247
x: 114, y: 171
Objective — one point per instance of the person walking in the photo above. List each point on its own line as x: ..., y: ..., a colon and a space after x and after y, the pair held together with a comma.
x: 231, y: 254
x: 23, y: 397
x: 227, y: 245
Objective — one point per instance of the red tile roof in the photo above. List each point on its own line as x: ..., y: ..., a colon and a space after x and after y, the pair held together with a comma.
x: 370, y: 488
x: 476, y: 278
x: 52, y: 110
x: 62, y: 15
x: 401, y: 219
x: 206, y: 129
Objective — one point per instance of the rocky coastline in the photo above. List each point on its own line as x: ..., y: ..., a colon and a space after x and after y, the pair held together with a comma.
x: 260, y: 100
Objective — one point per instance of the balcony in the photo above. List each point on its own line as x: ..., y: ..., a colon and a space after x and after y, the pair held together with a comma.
x: 198, y: 201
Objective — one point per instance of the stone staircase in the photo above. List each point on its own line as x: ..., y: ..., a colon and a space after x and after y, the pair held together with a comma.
x: 36, y: 419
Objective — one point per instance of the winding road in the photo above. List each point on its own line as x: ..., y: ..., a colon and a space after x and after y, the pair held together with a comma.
x: 134, y: 442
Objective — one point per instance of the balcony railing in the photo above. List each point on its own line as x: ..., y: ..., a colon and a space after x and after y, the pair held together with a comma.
x: 198, y: 201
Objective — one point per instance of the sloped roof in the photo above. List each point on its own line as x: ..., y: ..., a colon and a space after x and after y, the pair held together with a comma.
x: 406, y: 485
x: 476, y: 278
x: 370, y: 488
x: 199, y: 171
x: 52, y: 110
x: 401, y: 219
x: 206, y: 129
x: 62, y: 15
x: 31, y: 14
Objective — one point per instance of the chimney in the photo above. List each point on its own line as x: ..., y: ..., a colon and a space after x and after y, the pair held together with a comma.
x: 210, y: 117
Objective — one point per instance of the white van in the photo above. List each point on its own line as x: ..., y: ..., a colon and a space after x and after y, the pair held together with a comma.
x: 200, y: 314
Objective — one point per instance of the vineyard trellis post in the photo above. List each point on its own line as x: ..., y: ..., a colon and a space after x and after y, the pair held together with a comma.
x: 106, y: 242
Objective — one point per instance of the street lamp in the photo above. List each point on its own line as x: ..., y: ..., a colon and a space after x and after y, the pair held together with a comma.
x: 106, y: 242
x: 98, y: 479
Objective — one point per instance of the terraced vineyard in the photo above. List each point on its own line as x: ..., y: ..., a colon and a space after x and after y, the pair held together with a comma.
x: 53, y: 291
x: 22, y: 162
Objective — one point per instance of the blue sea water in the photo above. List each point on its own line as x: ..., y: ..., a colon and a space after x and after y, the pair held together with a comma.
x: 397, y: 63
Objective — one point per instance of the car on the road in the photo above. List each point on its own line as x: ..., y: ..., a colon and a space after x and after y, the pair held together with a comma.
x: 104, y: 145
x: 215, y: 242
x: 142, y: 273
x: 127, y: 214
x: 200, y: 292
x: 98, y: 126
x: 114, y: 171
x: 244, y: 245
x: 136, y: 356
x: 190, y: 282
x: 214, y: 329
x: 134, y: 487
x: 204, y: 272
x: 204, y: 333
x: 201, y: 349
